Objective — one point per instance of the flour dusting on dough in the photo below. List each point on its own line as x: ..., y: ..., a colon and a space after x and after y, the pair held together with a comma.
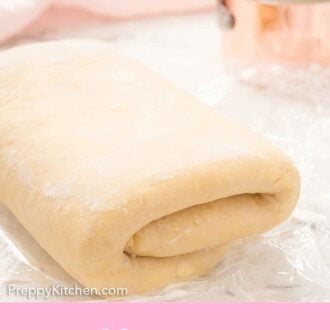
x: 121, y: 76
x: 57, y: 191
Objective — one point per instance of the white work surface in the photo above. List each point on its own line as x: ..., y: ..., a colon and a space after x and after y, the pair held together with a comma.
x: 291, y: 107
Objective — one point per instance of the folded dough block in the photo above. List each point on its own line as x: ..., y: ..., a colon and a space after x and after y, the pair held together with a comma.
x: 122, y: 178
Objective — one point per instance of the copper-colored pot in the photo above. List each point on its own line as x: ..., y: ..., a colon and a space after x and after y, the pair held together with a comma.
x: 281, y: 31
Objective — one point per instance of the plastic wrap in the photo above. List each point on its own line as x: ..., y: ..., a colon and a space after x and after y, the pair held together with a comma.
x: 289, y: 106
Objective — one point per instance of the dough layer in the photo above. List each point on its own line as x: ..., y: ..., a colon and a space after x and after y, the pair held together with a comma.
x: 123, y: 179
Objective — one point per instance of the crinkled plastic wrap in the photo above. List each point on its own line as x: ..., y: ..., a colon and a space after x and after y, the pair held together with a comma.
x: 291, y: 107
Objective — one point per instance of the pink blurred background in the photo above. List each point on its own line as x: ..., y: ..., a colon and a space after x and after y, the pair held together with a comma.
x: 19, y: 17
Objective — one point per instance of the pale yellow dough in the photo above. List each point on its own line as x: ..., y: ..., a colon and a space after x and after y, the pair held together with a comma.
x: 123, y: 179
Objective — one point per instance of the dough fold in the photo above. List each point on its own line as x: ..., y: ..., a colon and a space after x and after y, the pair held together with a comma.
x: 123, y: 179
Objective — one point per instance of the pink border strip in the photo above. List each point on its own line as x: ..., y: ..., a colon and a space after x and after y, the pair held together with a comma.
x: 120, y: 316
